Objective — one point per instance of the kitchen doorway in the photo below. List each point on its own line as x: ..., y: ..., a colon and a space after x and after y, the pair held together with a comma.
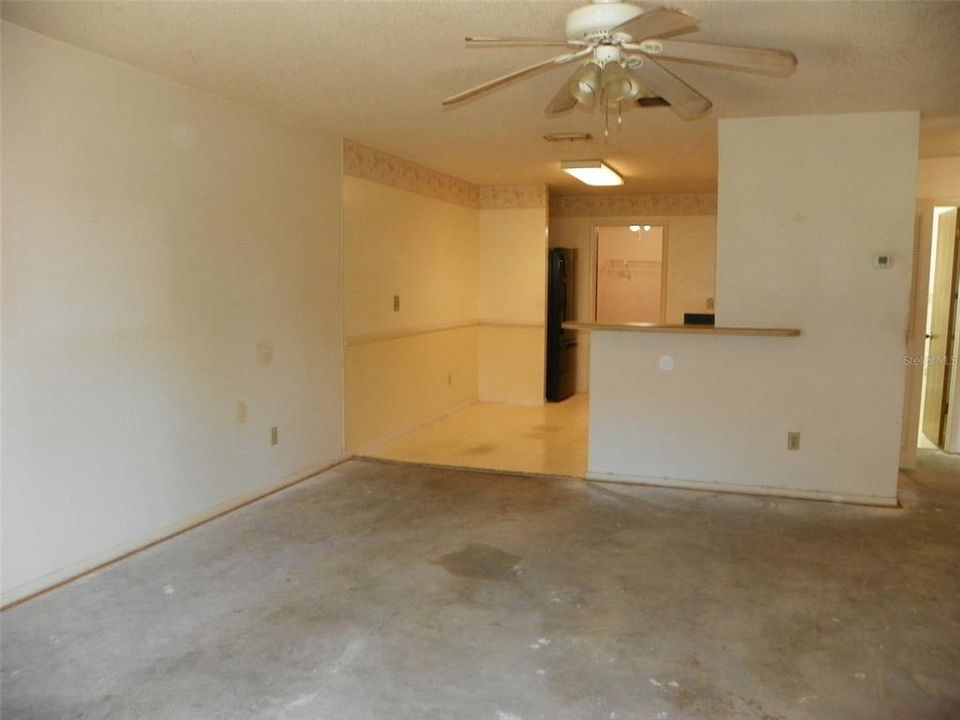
x: 631, y: 274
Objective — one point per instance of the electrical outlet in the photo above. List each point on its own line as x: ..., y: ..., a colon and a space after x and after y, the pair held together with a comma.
x: 274, y: 435
x: 709, y: 303
x: 793, y: 441
x: 396, y: 303
x: 449, y: 378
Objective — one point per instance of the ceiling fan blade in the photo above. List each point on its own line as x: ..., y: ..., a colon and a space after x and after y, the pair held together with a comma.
x: 779, y: 63
x: 480, y: 42
x: 684, y: 100
x: 530, y: 69
x: 562, y: 101
x: 659, y: 22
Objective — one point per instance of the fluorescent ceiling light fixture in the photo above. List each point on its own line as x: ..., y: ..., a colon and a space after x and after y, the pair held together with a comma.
x: 591, y: 172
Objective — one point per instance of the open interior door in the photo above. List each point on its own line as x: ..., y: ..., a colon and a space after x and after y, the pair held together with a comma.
x: 941, y: 325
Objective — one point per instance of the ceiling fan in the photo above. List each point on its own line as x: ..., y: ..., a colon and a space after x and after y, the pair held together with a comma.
x: 621, y: 46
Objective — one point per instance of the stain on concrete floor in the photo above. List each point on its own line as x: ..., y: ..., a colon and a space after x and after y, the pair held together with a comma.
x: 482, y: 562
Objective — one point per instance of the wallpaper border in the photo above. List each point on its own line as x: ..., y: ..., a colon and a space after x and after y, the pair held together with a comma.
x: 377, y: 166
x: 509, y: 197
x: 639, y: 204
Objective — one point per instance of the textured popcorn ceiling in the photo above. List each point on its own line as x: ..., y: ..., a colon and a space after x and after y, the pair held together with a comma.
x: 376, y: 72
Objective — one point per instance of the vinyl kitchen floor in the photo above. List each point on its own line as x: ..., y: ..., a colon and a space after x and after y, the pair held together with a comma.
x: 546, y: 440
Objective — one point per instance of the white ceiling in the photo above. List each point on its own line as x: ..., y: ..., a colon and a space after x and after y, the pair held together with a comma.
x: 376, y: 72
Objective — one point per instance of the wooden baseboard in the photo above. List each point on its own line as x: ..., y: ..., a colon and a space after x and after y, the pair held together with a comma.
x: 472, y: 469
x: 871, y: 500
x: 513, y: 401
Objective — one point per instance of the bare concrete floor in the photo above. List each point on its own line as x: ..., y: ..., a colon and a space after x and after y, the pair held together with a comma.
x: 393, y: 591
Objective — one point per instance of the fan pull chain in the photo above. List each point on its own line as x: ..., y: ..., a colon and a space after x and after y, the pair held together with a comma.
x: 619, y: 116
x: 606, y: 122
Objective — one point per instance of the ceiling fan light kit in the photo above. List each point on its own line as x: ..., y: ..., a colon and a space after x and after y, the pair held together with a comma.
x: 592, y: 172
x: 622, y: 46
x: 618, y: 85
x: 585, y: 84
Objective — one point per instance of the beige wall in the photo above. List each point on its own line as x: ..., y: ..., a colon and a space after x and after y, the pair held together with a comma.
x: 469, y: 265
x: 788, y: 255
x: 398, y: 242
x: 691, y: 253
x: 939, y: 178
x: 171, y: 291
x: 393, y: 385
x: 691, y: 266
x: 405, y: 368
x: 512, y: 304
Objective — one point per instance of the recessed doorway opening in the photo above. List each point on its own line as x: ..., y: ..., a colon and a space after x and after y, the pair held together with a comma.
x: 631, y: 280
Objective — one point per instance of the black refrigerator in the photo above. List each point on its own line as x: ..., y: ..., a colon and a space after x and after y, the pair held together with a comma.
x: 561, y: 306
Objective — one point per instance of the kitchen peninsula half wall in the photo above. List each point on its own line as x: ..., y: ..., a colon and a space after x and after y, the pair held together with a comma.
x: 812, y: 410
